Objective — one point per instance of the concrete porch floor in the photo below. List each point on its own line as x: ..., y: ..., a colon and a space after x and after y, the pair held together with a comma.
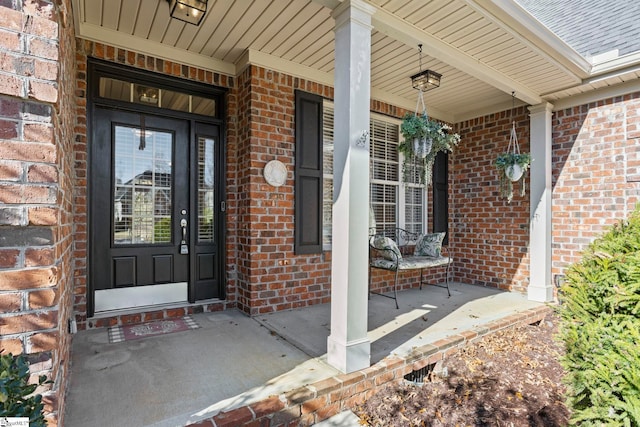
x: 232, y: 360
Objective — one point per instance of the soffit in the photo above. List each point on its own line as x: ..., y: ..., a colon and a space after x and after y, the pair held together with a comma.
x: 481, y: 56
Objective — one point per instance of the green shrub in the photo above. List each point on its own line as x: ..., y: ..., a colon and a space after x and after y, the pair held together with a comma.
x: 600, y: 326
x: 16, y: 394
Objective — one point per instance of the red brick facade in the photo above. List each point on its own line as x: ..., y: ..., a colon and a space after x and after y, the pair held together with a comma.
x: 43, y: 189
x: 596, y: 172
x: 270, y: 277
x: 489, y: 237
x: 37, y: 120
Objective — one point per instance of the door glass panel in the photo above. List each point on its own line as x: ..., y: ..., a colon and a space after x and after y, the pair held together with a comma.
x: 175, y: 101
x: 142, y: 188
x: 206, y: 183
x: 115, y: 89
x: 136, y: 93
x: 204, y: 106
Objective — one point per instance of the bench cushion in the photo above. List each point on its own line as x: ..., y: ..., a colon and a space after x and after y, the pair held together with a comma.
x: 387, y: 248
x: 429, y: 245
x: 411, y: 263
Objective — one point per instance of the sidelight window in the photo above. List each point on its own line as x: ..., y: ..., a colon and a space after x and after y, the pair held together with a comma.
x: 206, y: 189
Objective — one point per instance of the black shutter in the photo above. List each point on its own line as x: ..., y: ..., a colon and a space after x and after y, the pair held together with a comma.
x: 308, y: 174
x: 440, y: 194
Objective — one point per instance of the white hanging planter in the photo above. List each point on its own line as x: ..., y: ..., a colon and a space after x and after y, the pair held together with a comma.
x: 512, y: 165
x: 514, y: 172
x: 422, y: 146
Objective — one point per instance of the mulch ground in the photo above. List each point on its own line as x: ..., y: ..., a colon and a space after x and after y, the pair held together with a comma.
x: 510, y: 378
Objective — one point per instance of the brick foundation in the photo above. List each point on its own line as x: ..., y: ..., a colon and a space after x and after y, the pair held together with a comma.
x: 315, y: 402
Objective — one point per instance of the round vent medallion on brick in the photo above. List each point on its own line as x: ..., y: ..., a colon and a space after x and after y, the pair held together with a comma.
x: 275, y: 173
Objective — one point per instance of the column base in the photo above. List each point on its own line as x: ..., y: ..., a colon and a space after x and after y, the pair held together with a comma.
x: 349, y: 356
x: 540, y: 293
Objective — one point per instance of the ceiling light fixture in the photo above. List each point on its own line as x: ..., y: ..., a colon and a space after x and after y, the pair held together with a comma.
x: 189, y: 11
x: 425, y: 80
x: 148, y: 95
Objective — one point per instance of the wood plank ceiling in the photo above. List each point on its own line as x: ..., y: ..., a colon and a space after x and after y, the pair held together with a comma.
x: 298, y: 36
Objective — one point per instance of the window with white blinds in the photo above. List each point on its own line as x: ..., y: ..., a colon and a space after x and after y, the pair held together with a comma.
x: 384, y: 173
x: 394, y: 204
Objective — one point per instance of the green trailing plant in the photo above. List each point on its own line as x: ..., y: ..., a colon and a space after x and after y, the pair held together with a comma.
x: 441, y: 136
x: 600, y: 327
x: 16, y: 394
x: 503, y: 164
x: 413, y: 126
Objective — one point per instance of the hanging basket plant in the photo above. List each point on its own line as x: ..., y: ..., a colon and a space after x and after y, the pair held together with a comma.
x: 415, y: 129
x: 423, y: 140
x: 512, y: 166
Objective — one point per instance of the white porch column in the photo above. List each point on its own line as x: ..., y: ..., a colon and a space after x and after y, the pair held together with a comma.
x: 540, y: 286
x: 348, y: 346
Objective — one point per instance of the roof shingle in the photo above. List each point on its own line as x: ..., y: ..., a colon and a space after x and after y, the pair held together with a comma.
x: 591, y: 27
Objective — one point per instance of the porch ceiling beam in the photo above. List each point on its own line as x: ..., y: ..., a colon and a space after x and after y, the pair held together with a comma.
x: 159, y: 50
x: 407, y: 33
x: 274, y: 63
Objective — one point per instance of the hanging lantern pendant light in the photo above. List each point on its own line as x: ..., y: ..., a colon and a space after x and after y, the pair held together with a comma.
x: 189, y: 11
x: 425, y: 80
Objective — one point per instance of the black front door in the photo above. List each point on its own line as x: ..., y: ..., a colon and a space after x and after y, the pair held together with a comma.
x: 154, y: 228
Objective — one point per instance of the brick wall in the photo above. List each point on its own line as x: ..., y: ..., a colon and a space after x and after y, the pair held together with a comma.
x: 37, y: 118
x: 270, y: 276
x: 596, y: 174
x: 488, y: 236
x: 596, y: 182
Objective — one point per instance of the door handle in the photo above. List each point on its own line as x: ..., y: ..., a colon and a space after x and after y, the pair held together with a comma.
x: 183, y: 225
x: 184, y: 249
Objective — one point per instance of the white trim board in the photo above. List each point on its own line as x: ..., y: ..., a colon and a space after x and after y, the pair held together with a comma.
x: 140, y: 296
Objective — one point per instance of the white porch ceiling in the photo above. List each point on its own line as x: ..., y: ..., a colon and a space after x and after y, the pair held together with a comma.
x: 485, y: 49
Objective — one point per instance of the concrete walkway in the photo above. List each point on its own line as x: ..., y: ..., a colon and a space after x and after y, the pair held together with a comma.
x: 233, y: 360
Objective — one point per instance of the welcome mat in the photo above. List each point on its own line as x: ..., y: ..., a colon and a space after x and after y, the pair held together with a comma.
x: 159, y: 327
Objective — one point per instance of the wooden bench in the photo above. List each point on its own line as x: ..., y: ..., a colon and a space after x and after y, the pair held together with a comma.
x: 384, y: 257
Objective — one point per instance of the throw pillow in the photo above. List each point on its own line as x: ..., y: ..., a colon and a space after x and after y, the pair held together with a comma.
x: 429, y: 245
x: 386, y: 245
